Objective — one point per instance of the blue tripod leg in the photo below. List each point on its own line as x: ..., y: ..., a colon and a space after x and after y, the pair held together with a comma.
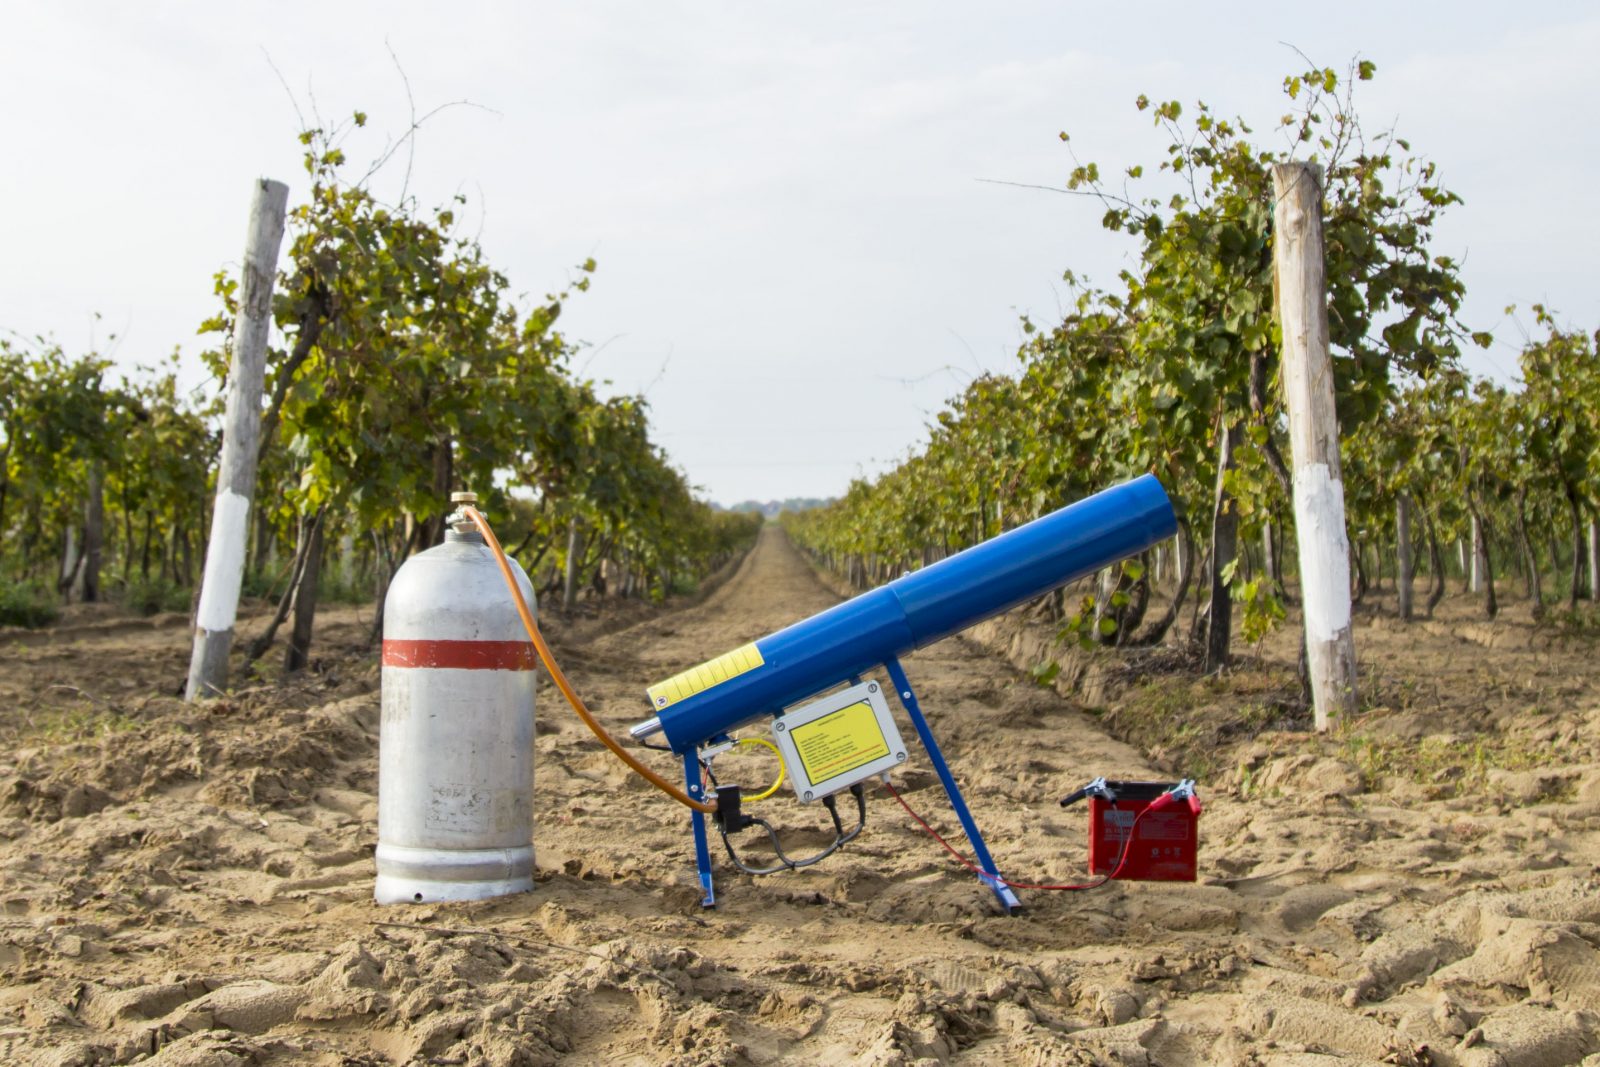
x: 908, y: 700
x: 702, y: 853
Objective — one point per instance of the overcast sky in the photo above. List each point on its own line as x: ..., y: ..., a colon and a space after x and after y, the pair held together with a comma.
x: 797, y: 261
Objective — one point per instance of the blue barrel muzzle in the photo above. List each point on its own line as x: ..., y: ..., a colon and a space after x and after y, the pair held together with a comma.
x: 924, y: 606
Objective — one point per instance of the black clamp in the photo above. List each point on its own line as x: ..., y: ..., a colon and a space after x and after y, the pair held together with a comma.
x: 1097, y: 788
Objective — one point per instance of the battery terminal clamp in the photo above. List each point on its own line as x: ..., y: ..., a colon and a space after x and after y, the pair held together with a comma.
x: 1099, y: 789
x: 1182, y: 793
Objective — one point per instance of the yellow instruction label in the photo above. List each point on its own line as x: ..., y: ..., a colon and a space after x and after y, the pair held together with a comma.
x: 710, y: 673
x: 839, y: 743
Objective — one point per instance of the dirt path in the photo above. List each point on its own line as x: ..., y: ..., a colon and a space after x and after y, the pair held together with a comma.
x: 196, y: 886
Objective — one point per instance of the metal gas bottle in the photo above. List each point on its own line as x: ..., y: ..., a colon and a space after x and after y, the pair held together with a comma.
x: 455, y: 748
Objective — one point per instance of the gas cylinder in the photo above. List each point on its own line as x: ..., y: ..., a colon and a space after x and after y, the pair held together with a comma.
x: 455, y: 742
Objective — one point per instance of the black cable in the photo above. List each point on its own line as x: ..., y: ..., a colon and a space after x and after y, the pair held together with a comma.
x: 785, y: 863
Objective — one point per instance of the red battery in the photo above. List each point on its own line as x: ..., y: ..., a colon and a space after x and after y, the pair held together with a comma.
x: 1165, y: 843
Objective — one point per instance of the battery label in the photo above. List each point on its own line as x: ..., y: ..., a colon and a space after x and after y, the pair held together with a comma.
x: 699, y: 679
x: 1156, y: 826
x: 840, y: 742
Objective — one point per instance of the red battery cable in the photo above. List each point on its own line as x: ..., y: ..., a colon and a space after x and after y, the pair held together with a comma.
x: 1127, y: 847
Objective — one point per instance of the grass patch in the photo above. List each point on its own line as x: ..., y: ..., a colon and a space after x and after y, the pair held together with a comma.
x: 1190, y: 725
x: 152, y: 596
x: 30, y: 604
x: 1582, y: 621
x: 64, y: 725
x: 1450, y: 762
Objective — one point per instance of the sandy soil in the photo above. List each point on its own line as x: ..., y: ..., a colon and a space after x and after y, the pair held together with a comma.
x: 192, y: 886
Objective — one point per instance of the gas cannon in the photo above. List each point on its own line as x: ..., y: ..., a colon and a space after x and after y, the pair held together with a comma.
x: 838, y: 741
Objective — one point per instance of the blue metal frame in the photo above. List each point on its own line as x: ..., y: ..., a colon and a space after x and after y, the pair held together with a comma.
x: 908, y: 700
x: 702, y: 853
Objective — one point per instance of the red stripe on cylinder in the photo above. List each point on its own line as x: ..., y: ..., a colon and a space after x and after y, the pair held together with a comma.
x: 461, y: 655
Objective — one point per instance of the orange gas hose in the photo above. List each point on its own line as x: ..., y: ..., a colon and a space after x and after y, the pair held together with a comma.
x: 560, y: 677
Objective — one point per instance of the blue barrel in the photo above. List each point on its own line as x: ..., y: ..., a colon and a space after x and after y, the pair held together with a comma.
x: 920, y: 608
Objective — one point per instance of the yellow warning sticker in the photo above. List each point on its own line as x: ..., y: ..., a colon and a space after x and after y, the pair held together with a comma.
x: 839, y: 743
x: 699, y: 679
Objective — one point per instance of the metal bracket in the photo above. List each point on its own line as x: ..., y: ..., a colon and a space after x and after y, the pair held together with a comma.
x: 991, y: 876
x: 697, y: 819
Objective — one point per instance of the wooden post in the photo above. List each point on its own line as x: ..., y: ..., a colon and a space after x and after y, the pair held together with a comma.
x: 569, y: 584
x: 1180, y: 548
x: 69, y: 563
x: 1475, y: 579
x: 1402, y: 551
x: 1224, y: 549
x: 1307, y: 374
x: 94, y: 531
x: 236, y: 470
x: 1594, y: 560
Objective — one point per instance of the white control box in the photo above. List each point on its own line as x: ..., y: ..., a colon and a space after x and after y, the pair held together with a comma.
x: 837, y: 741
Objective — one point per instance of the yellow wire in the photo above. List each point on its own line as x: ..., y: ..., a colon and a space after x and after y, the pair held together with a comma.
x: 773, y: 788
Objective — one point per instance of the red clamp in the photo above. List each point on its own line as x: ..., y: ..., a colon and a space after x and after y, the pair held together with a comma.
x: 1182, y: 793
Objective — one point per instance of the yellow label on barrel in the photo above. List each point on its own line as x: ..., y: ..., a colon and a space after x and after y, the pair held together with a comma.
x: 699, y: 679
x: 839, y: 742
